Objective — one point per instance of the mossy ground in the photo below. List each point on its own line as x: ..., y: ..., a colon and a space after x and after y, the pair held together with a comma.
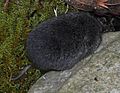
x: 15, y: 24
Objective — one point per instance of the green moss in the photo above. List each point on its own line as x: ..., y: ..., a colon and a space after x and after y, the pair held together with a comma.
x: 15, y: 24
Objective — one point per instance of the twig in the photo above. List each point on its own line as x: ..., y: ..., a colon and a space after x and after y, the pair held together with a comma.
x: 6, y: 5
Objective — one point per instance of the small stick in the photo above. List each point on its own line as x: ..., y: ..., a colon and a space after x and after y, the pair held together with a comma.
x: 6, y: 4
x: 117, y: 4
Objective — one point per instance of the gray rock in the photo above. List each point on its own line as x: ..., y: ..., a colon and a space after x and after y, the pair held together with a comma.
x: 50, y: 82
x: 99, y: 73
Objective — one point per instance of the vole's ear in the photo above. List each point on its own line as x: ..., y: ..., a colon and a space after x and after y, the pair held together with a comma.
x: 116, y: 23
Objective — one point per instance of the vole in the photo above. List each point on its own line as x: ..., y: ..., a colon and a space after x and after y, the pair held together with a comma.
x: 61, y: 42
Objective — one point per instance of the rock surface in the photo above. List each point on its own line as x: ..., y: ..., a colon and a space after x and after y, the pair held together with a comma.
x: 99, y: 73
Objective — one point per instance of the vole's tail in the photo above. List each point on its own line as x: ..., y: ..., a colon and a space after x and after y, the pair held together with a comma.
x: 21, y: 73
